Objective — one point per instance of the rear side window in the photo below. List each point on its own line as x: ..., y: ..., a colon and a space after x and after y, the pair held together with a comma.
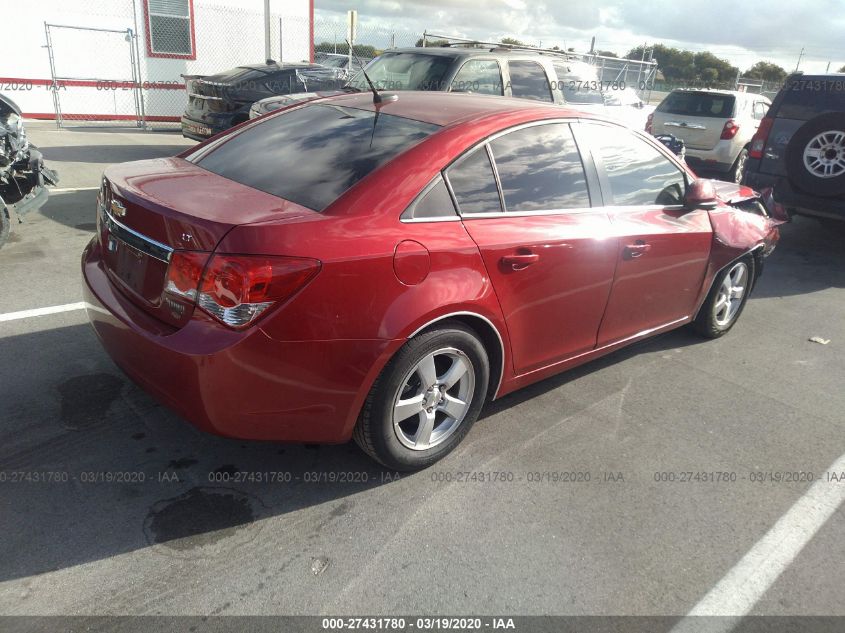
x: 699, y: 104
x: 805, y: 99
x: 529, y: 81
x: 638, y: 174
x: 540, y: 169
x: 433, y: 202
x: 760, y: 109
x: 578, y: 85
x: 481, y: 76
x: 474, y: 184
x: 313, y: 154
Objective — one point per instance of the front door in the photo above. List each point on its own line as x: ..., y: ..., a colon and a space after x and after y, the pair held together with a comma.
x: 663, y: 248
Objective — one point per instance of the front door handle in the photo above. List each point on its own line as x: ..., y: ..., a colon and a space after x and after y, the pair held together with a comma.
x: 518, y: 262
x: 638, y: 249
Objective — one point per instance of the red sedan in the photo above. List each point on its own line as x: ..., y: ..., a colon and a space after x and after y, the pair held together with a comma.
x: 346, y: 268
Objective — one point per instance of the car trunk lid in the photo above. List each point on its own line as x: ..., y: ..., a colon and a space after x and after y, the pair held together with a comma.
x: 696, y: 117
x: 149, y: 209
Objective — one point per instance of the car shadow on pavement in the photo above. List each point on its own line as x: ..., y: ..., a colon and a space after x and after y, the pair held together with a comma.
x: 91, y: 467
x: 74, y: 209
x: 809, y: 257
x: 108, y: 154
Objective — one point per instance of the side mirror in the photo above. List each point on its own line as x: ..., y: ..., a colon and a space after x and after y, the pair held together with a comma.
x: 701, y: 195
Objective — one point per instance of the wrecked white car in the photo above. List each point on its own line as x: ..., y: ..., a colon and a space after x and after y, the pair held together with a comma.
x: 23, y: 176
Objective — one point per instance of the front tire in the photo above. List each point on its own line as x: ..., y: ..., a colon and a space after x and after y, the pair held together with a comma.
x: 426, y: 399
x: 726, y: 300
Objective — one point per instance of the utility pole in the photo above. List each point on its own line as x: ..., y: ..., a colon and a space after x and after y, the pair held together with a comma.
x: 266, y: 29
x: 800, y: 55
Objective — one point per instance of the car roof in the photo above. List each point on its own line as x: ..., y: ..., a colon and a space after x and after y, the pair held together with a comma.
x: 447, y: 108
x: 463, y: 51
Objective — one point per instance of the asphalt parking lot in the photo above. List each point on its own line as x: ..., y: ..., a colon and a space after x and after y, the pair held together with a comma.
x: 181, y: 523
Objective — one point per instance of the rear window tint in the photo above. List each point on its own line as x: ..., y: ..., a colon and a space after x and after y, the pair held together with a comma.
x: 313, y: 154
x: 699, y: 104
x: 805, y: 99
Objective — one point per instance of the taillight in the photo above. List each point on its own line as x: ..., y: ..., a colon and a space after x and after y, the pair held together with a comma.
x: 184, y: 273
x: 237, y: 289
x: 761, y: 137
x: 730, y: 130
x: 648, y: 123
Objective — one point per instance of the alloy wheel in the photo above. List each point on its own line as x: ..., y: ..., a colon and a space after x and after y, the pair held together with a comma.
x: 731, y: 292
x: 824, y: 155
x: 433, y: 399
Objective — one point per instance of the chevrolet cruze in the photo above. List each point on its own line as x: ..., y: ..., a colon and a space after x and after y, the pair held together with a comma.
x: 379, y: 268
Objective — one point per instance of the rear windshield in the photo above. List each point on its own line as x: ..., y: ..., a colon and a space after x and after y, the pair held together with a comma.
x: 806, y: 98
x: 240, y: 73
x: 405, y: 71
x: 698, y: 104
x: 313, y: 154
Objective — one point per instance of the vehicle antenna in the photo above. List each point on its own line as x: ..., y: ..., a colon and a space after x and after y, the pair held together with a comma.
x: 377, y: 98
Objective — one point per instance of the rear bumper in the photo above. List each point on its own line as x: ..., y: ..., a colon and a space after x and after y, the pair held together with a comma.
x: 797, y: 202
x: 202, y: 126
x: 720, y: 159
x: 236, y: 384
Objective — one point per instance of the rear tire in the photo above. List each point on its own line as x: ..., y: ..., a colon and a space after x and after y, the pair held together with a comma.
x: 815, y: 156
x: 425, y: 400
x: 5, y: 226
x: 726, y: 300
x: 735, y: 174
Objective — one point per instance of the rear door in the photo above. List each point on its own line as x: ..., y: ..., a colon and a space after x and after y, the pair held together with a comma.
x: 543, y: 240
x: 696, y: 117
x: 663, y: 249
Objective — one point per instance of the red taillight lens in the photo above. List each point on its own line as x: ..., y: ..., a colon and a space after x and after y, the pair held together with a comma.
x: 730, y: 130
x: 761, y: 137
x: 237, y: 289
x: 184, y: 273
x: 648, y: 123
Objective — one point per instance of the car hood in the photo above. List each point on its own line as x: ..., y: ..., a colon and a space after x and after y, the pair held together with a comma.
x: 7, y: 106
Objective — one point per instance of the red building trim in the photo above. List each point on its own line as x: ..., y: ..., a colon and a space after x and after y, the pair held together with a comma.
x: 311, y: 30
x: 50, y: 116
x: 148, y: 27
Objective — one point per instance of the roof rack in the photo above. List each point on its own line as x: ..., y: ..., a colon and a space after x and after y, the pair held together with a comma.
x: 590, y: 58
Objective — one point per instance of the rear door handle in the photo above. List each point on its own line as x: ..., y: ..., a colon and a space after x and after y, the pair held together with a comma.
x: 632, y: 251
x: 518, y: 262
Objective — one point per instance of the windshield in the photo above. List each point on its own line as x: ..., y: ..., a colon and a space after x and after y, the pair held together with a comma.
x: 312, y: 154
x: 405, y: 71
x: 706, y: 104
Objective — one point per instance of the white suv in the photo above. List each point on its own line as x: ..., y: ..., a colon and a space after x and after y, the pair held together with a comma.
x: 716, y: 126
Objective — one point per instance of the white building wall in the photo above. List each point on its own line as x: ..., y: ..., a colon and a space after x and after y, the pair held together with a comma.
x: 227, y: 33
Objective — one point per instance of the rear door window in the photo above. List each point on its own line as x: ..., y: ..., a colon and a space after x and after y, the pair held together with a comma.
x: 311, y: 155
x: 806, y: 98
x: 540, y: 169
x: 529, y: 81
x: 577, y: 84
x: 638, y: 174
x: 704, y: 104
x: 474, y: 184
x: 482, y: 76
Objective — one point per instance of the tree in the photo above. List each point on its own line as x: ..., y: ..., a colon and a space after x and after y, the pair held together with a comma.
x: 767, y: 72
x: 687, y: 66
x: 512, y: 41
x: 841, y: 70
x: 366, y: 51
x: 607, y: 54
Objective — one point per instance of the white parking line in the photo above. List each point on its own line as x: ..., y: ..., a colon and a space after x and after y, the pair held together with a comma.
x: 36, y: 312
x: 743, y: 586
x: 72, y: 189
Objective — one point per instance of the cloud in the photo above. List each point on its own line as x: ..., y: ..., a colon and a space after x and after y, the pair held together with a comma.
x: 743, y: 32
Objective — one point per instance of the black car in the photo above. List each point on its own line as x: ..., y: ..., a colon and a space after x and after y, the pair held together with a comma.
x: 218, y: 102
x: 799, y: 148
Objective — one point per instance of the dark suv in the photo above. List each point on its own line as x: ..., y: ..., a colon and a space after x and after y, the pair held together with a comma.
x: 217, y: 102
x: 501, y: 71
x: 799, y: 148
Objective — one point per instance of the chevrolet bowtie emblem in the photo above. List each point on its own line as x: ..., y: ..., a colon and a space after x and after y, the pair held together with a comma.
x: 117, y: 209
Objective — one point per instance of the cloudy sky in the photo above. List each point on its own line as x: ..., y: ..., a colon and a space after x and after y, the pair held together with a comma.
x: 740, y: 31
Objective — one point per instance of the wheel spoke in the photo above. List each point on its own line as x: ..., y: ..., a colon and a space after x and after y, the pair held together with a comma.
x: 404, y: 409
x: 453, y: 407
x: 423, y: 435
x: 427, y: 372
x: 455, y: 372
